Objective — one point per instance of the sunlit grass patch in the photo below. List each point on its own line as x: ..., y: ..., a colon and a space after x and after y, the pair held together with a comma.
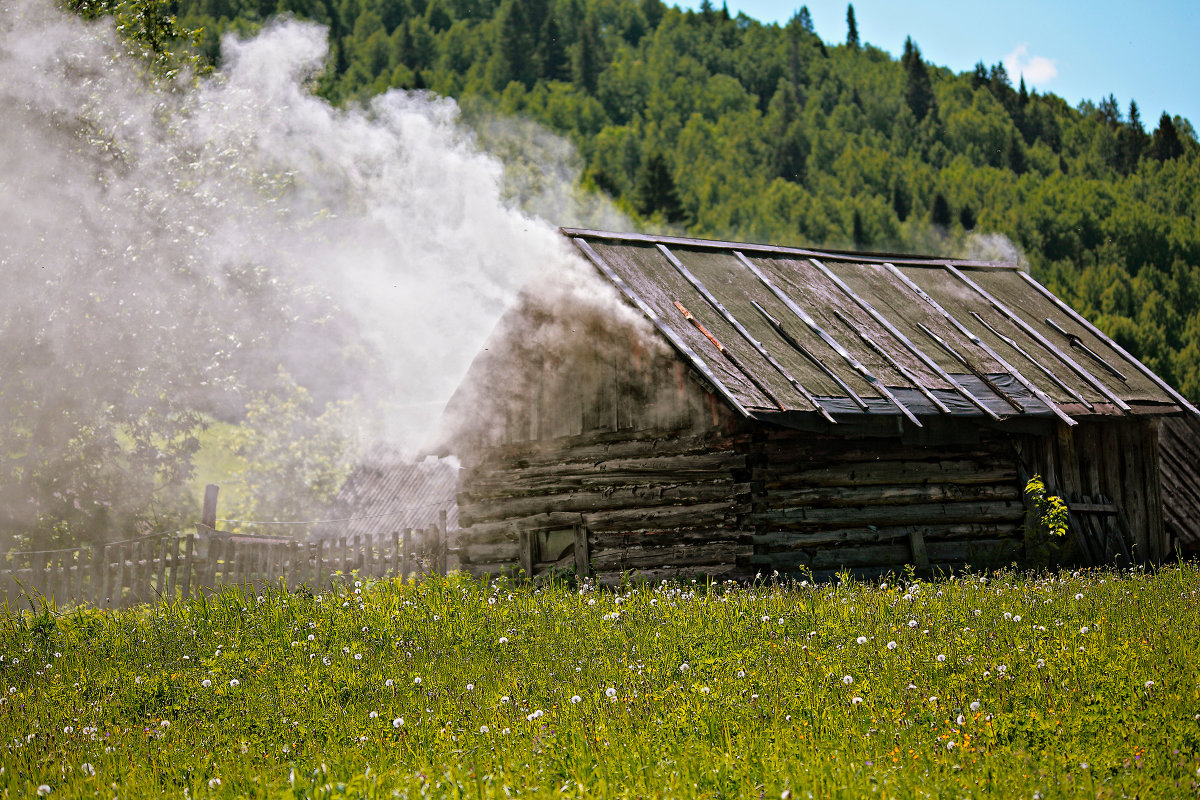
x: 1001, y: 685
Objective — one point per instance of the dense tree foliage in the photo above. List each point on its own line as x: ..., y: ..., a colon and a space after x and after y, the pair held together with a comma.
x: 766, y: 132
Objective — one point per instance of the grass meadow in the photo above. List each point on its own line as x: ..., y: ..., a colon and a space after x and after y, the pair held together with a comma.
x: 1005, y: 685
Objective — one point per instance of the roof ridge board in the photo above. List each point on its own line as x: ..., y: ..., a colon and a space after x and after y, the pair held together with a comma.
x: 908, y: 259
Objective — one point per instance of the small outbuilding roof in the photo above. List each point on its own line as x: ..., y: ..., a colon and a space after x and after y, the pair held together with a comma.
x: 389, y: 492
x: 784, y: 331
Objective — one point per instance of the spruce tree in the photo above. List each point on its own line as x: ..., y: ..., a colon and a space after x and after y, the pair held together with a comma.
x: 513, y: 56
x: 551, y: 56
x: 1016, y: 154
x: 857, y: 231
x: 804, y: 19
x: 587, y: 55
x: 851, y: 28
x: 789, y: 146
x: 1131, y: 141
x: 655, y: 190
x: 901, y: 204
x: 966, y: 218
x: 1166, y: 144
x: 918, y: 90
x: 939, y: 213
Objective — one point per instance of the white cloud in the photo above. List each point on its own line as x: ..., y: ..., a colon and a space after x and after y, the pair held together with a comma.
x: 1037, y: 70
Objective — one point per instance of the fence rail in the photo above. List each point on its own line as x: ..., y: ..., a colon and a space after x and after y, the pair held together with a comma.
x: 124, y: 573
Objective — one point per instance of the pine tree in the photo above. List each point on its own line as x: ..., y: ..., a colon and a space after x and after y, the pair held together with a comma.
x: 966, y: 218
x: 857, y: 231
x: 939, y: 213
x: 551, y: 56
x: 1131, y: 141
x: 901, y: 204
x: 513, y: 56
x: 789, y: 146
x: 655, y: 190
x: 804, y: 19
x: 1016, y: 154
x: 979, y: 77
x: 851, y: 28
x: 587, y: 55
x: 1166, y: 144
x: 918, y: 90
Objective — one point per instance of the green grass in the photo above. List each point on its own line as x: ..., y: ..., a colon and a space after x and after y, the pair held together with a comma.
x: 1084, y: 685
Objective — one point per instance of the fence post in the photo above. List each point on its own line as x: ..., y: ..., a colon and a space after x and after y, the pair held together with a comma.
x: 395, y: 553
x: 443, y: 542
x: 189, y: 553
x: 406, y: 557
x: 208, y: 516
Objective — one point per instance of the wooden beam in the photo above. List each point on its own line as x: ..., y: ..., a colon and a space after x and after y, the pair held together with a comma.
x: 904, y: 371
x: 1070, y: 312
x: 975, y: 340
x: 741, y: 329
x: 912, y: 348
x: 1042, y: 367
x: 916, y: 543
x: 661, y: 326
x: 1033, y: 333
x: 807, y: 319
x: 582, y: 557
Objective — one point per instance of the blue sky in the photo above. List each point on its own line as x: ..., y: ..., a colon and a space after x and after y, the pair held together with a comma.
x: 1148, y: 52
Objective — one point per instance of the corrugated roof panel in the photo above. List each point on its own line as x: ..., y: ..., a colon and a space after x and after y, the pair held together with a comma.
x: 388, y: 492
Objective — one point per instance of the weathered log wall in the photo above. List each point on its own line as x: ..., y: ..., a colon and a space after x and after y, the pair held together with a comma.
x: 1179, y: 459
x: 1117, y: 458
x: 823, y: 504
x: 654, y: 503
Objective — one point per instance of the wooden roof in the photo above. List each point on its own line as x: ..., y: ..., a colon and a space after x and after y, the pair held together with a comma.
x: 783, y: 331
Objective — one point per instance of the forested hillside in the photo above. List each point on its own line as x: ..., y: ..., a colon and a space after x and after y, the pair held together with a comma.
x: 728, y: 127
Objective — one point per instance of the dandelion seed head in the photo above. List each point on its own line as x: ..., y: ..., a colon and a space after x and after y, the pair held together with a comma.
x: 892, y: 645
x: 846, y: 679
x: 861, y: 640
x: 576, y: 699
x: 398, y: 722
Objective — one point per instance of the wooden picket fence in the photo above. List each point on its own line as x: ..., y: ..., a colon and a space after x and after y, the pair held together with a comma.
x: 180, y: 566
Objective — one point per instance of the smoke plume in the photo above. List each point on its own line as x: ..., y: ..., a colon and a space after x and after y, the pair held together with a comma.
x: 166, y: 248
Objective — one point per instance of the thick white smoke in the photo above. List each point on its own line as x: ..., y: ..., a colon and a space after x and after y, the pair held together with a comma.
x: 161, y: 246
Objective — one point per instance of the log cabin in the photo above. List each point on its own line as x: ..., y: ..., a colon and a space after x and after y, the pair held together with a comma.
x: 801, y: 412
